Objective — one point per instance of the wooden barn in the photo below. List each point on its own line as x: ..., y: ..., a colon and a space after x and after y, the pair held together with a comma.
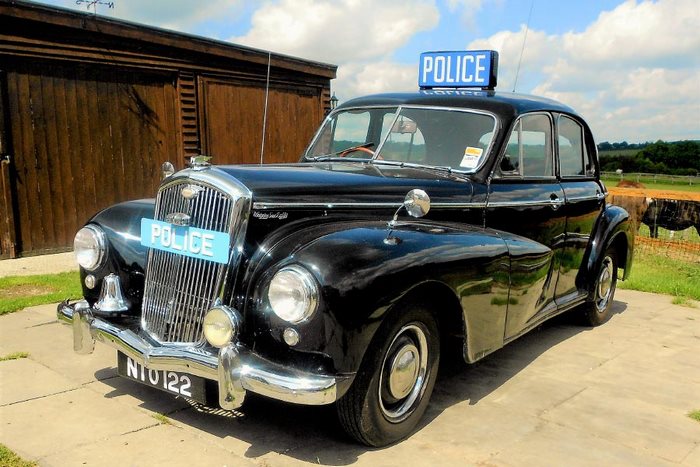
x: 90, y: 107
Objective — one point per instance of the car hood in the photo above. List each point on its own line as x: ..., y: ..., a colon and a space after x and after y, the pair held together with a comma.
x: 346, y: 182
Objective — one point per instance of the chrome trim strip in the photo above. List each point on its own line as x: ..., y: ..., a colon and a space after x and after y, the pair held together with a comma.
x: 582, y: 198
x: 515, y: 204
x: 243, y: 370
x: 261, y: 206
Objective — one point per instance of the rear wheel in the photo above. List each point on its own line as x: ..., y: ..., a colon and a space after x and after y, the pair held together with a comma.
x: 598, y: 308
x: 392, y: 389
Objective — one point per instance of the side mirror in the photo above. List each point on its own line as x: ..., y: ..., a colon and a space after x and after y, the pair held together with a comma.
x: 417, y: 203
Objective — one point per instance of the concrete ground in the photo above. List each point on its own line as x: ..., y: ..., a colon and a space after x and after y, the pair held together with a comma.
x: 618, y: 394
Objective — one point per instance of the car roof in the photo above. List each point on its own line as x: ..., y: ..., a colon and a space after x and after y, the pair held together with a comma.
x: 503, y: 104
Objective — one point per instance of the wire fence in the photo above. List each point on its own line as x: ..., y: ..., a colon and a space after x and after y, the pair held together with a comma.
x: 652, y: 179
x: 667, y: 226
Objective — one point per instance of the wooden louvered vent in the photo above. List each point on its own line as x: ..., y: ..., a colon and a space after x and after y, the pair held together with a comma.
x: 188, y: 114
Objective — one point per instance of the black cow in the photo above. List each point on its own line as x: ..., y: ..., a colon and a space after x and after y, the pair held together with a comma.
x: 671, y: 214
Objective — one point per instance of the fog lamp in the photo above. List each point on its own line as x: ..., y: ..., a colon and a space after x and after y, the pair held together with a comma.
x: 221, y: 325
x: 90, y: 281
x: 291, y: 336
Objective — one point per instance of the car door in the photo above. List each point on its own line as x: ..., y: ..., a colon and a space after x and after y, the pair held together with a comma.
x: 525, y: 198
x: 584, y: 201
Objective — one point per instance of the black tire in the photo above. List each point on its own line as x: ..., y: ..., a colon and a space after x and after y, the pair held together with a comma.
x: 378, y: 410
x: 597, y: 309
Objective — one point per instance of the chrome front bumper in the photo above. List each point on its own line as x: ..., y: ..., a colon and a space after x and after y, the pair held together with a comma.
x: 235, y: 368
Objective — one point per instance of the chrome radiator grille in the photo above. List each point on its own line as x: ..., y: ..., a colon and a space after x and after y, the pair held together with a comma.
x: 178, y: 289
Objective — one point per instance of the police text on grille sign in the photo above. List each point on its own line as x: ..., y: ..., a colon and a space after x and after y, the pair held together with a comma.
x: 456, y: 69
x: 186, y: 241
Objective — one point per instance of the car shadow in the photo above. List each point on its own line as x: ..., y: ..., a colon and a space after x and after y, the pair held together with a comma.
x: 313, y: 434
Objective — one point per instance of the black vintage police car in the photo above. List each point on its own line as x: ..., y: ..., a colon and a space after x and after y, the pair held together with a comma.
x: 411, y: 219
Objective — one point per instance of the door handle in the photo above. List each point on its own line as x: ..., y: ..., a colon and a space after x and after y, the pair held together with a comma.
x: 555, y: 201
x: 599, y: 196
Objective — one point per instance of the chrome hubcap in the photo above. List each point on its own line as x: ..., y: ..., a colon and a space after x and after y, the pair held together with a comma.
x: 404, y: 373
x: 605, y: 284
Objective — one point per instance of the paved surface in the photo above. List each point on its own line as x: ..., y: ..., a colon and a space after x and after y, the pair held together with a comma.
x: 562, y: 395
x: 44, y: 264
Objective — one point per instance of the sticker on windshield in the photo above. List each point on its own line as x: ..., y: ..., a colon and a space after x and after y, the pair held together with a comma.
x: 471, y: 157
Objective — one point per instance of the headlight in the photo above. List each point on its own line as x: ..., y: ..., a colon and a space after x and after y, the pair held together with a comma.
x: 293, y: 294
x: 89, y: 247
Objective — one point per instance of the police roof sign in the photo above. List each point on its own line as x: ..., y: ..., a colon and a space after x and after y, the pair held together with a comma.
x: 458, y: 69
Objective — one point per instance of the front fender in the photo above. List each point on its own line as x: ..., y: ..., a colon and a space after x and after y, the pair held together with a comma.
x: 613, y: 229
x: 126, y: 257
x: 362, y: 276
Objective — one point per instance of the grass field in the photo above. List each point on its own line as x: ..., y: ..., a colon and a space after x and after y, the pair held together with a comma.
x: 660, y: 274
x: 10, y: 459
x: 18, y: 292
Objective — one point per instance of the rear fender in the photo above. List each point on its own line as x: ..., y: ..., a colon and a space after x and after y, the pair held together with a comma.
x: 613, y: 229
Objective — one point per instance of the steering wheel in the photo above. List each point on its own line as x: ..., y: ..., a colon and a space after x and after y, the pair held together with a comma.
x: 361, y: 149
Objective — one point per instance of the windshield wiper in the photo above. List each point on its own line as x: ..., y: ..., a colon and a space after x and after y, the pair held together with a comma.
x: 337, y: 154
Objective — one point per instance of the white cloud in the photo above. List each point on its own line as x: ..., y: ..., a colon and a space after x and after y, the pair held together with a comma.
x: 633, y: 73
x: 179, y: 15
x: 358, y: 35
x: 358, y: 79
x: 340, y: 31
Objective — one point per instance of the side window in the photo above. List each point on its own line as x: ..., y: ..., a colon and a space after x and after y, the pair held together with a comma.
x: 529, y: 150
x: 573, y: 162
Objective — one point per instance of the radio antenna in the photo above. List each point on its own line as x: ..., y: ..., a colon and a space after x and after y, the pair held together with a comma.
x: 522, y: 50
x: 267, y: 94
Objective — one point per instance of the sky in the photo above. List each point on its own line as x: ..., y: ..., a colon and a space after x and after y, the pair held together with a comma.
x: 630, y: 68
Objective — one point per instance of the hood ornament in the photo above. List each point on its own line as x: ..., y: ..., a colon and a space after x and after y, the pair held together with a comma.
x: 200, y: 162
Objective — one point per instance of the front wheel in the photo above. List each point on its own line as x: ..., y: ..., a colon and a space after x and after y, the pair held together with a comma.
x: 392, y: 389
x: 598, y: 308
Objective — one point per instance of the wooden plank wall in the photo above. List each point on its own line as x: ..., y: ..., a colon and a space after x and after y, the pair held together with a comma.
x: 84, y: 137
x: 231, y: 117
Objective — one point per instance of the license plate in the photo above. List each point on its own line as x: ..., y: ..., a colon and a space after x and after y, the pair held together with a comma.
x: 184, y: 240
x: 181, y: 384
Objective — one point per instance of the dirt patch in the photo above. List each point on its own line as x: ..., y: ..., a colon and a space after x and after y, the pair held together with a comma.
x: 657, y: 194
x: 629, y: 184
x: 25, y: 290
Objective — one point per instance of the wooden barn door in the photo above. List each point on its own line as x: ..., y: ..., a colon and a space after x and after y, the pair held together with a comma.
x: 232, y: 120
x: 84, y: 137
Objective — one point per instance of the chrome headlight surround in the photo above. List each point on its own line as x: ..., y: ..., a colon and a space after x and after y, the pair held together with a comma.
x: 293, y: 294
x: 90, y: 247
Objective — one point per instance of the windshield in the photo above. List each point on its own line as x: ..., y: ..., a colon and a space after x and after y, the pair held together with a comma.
x: 445, y: 138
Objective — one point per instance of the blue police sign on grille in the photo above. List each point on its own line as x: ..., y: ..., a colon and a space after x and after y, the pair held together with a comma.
x: 459, y: 69
x: 187, y: 241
